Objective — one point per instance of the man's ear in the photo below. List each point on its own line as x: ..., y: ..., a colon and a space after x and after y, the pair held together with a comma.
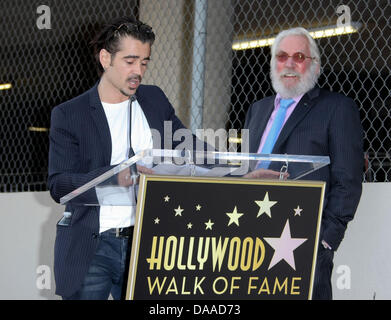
x: 104, y: 58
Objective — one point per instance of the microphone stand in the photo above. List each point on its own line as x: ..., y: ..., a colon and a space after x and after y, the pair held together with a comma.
x: 133, y: 168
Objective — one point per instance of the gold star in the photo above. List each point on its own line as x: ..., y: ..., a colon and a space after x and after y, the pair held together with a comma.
x: 265, y: 205
x: 298, y: 211
x: 234, y: 217
x: 198, y: 207
x: 209, y: 225
x: 166, y: 198
x: 178, y: 211
x: 189, y: 225
x: 157, y: 220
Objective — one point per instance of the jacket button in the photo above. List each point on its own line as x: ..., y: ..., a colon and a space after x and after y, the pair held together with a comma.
x: 94, y: 235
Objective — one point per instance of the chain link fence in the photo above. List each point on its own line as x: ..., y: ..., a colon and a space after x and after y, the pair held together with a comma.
x: 357, y: 65
x: 46, y: 60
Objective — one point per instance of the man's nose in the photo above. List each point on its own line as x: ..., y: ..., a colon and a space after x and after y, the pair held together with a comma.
x: 289, y: 62
x: 137, y: 69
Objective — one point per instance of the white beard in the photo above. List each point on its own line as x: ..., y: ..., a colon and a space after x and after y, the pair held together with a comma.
x: 305, y: 84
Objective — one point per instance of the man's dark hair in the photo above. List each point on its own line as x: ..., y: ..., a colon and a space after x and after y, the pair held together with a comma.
x: 111, y: 34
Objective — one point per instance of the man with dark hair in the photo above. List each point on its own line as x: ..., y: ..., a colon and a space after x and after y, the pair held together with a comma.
x: 302, y: 119
x: 89, y: 135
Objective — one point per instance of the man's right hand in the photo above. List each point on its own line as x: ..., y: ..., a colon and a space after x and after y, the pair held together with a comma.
x: 265, y: 174
x: 125, y: 177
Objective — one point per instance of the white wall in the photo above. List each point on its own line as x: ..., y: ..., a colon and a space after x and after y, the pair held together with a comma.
x: 365, y: 251
x: 27, y: 233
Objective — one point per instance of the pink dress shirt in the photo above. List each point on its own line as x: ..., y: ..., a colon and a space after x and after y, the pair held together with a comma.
x: 271, y: 119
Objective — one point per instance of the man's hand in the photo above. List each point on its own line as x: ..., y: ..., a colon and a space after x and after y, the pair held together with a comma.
x: 145, y: 170
x: 125, y: 177
x: 266, y: 174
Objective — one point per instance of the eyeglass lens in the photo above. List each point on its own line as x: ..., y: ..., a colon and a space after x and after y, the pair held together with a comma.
x: 297, y: 57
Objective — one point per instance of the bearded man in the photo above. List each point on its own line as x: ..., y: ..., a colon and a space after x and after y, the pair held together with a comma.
x: 314, y: 122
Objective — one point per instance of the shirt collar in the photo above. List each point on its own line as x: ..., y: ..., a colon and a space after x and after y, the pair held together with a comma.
x: 278, y: 98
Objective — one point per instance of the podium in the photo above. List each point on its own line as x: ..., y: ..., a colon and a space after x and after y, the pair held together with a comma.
x: 206, y: 230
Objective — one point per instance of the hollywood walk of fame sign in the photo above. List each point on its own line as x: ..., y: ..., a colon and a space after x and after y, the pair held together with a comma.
x: 224, y: 238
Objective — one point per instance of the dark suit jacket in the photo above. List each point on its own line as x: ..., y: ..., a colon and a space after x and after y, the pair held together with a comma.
x: 80, y: 150
x: 322, y: 124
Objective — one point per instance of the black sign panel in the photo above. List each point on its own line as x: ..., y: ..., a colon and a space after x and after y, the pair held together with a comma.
x: 225, y: 238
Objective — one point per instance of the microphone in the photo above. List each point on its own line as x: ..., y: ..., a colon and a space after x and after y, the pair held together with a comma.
x: 133, y: 167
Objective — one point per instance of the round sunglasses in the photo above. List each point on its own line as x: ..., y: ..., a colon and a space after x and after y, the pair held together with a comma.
x: 298, y: 57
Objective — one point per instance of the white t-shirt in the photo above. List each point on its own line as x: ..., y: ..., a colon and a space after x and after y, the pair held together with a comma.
x: 118, y: 119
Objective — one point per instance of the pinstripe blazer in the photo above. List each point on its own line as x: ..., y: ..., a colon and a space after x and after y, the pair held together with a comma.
x: 80, y: 150
x: 322, y: 124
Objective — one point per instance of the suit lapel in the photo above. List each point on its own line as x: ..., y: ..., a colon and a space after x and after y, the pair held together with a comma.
x: 302, y: 108
x: 99, y: 118
x: 256, y: 136
x: 154, y: 120
x: 149, y: 113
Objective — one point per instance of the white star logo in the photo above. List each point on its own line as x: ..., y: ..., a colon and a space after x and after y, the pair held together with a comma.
x: 284, y: 247
x: 209, y: 225
x: 178, y: 211
x: 234, y: 217
x: 265, y: 205
x: 298, y: 211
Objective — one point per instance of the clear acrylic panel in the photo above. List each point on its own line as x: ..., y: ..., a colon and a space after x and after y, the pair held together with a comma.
x: 116, y: 186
